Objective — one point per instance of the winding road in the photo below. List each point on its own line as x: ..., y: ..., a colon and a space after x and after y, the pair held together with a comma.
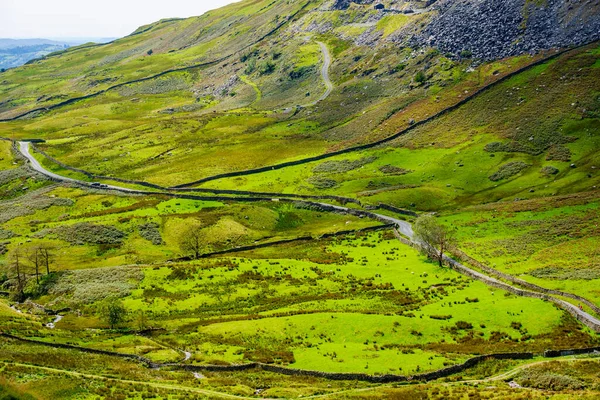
x: 324, y: 75
x: 402, y: 227
x: 24, y: 149
x: 325, y: 71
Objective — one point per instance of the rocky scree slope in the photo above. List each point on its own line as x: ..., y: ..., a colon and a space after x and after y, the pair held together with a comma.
x: 492, y: 29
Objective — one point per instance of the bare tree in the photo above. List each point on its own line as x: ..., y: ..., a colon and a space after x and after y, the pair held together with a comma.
x: 17, y: 267
x: 433, y: 238
x: 45, y: 255
x: 33, y: 255
x: 192, y: 240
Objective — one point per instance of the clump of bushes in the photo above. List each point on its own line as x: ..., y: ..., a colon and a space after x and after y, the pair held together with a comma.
x: 464, y: 326
x: 87, y: 233
x: 322, y: 183
x: 559, y: 152
x: 91, y: 285
x: 301, y: 72
x: 549, y: 170
x: 549, y: 381
x: 6, y: 234
x: 584, y: 274
x: 509, y: 170
x: 267, y: 68
x: 441, y: 317
x: 337, y: 167
x: 420, y: 77
x: 393, y: 170
x: 151, y: 233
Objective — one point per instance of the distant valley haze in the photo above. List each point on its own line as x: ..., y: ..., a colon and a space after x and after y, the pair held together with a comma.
x: 68, y: 19
x: 33, y: 29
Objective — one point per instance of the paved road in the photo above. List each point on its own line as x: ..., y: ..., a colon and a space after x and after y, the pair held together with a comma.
x: 402, y: 226
x: 324, y: 75
x: 24, y: 148
x: 325, y: 71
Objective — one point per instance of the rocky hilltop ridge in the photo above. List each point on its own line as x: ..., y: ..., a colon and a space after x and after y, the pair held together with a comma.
x: 492, y: 29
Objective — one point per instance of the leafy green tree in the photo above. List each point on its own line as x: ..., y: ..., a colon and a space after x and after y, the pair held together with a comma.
x: 192, y: 240
x: 433, y: 238
x: 114, y: 313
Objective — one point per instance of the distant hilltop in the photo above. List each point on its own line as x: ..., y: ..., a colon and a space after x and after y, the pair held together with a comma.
x: 16, y: 52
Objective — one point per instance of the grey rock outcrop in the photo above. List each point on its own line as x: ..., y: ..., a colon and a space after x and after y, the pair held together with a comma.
x: 345, y: 4
x: 492, y: 29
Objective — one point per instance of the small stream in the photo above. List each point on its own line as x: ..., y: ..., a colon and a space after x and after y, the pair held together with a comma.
x: 52, y: 324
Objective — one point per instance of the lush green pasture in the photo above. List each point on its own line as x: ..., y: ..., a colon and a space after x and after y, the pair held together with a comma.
x: 548, y: 131
x: 98, y: 229
x: 358, y: 304
x: 551, y: 242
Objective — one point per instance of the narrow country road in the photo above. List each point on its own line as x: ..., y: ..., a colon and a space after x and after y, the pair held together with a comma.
x: 324, y: 75
x: 325, y: 71
x: 403, y: 227
x: 24, y: 148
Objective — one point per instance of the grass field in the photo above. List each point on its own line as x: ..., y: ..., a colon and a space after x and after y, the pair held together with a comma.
x: 515, y: 170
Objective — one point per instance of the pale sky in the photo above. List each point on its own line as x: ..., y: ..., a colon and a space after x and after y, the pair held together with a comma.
x: 91, y: 18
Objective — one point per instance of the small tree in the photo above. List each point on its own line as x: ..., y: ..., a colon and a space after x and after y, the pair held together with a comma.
x: 33, y: 255
x: 45, y: 255
x: 114, y: 313
x: 192, y: 240
x: 434, y: 238
x: 17, y: 269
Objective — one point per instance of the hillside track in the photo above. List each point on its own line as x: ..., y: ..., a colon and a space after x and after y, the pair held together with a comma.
x: 324, y: 75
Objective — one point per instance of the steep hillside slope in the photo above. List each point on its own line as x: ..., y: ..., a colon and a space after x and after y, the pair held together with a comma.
x: 165, y: 45
x: 249, y: 85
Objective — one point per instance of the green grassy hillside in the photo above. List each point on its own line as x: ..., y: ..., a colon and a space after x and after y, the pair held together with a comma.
x: 178, y: 290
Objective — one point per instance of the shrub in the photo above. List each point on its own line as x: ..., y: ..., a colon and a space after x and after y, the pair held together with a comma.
x: 441, y: 317
x: 300, y: 72
x: 267, y: 68
x: 393, y: 170
x: 549, y: 381
x: 342, y: 166
x: 151, y: 233
x: 585, y: 274
x: 509, y: 170
x: 463, y: 325
x: 87, y: 233
x: 559, y: 152
x: 251, y: 66
x: 88, y: 286
x: 549, y: 170
x: 322, y: 183
x: 420, y: 77
x: 466, y: 54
